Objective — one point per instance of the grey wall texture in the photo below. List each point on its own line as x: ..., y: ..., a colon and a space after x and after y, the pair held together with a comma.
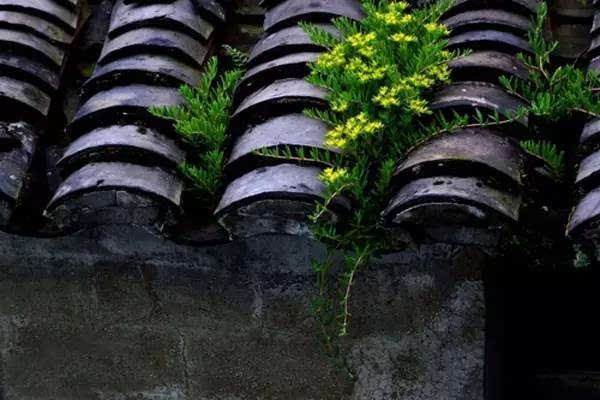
x: 101, y: 316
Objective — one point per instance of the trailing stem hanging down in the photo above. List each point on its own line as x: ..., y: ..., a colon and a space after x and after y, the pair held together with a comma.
x: 378, y: 73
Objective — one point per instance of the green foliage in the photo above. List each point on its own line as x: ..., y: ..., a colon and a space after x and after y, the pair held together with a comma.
x: 238, y: 57
x: 581, y: 259
x: 378, y: 73
x: 202, y: 123
x: 552, y: 94
x: 301, y: 155
x: 548, y: 152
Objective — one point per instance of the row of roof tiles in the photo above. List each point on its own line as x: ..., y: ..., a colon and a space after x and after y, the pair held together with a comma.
x: 121, y: 165
x: 121, y: 154
x: 35, y: 37
x: 584, y: 217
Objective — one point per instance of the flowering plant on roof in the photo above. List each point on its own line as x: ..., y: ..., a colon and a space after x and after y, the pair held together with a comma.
x: 378, y: 73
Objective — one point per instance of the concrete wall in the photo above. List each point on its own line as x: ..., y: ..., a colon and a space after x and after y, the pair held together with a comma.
x: 100, y: 316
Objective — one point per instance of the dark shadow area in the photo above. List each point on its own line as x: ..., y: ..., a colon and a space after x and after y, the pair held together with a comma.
x: 542, y: 335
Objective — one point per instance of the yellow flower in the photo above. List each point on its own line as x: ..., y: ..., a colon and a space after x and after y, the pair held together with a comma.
x: 350, y: 130
x: 367, y: 51
x: 387, y: 97
x: 394, y: 18
x: 437, y: 28
x: 421, y: 81
x: 439, y: 72
x: 372, y: 73
x: 406, y: 19
x: 403, y: 38
x: 355, y: 65
x: 332, y: 176
x: 445, y: 54
x: 362, y: 118
x: 389, y: 18
x: 373, y: 127
x: 338, y: 142
x: 399, y: 6
x: 419, y: 106
x: 339, y: 105
x: 332, y: 59
x: 359, y: 40
x: 366, y: 72
x: 431, y: 27
x: 335, y: 137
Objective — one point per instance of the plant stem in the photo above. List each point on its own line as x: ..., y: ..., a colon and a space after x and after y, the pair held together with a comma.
x: 346, y: 300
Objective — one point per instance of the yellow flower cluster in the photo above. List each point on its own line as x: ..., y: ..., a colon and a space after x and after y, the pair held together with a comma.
x: 437, y: 28
x: 387, y: 96
x: 445, y: 54
x: 339, y: 105
x: 332, y: 59
x: 359, y: 40
x: 351, y: 129
x: 439, y: 72
x: 403, y: 38
x: 366, y: 72
x: 367, y: 51
x: 420, y: 81
x: 419, y: 106
x: 399, y: 6
x: 330, y: 175
x: 393, y: 18
x: 355, y: 65
x: 406, y: 19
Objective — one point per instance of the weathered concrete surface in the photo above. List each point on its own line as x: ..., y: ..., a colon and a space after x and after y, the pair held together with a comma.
x: 100, y: 316
x: 442, y: 359
x: 421, y: 326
